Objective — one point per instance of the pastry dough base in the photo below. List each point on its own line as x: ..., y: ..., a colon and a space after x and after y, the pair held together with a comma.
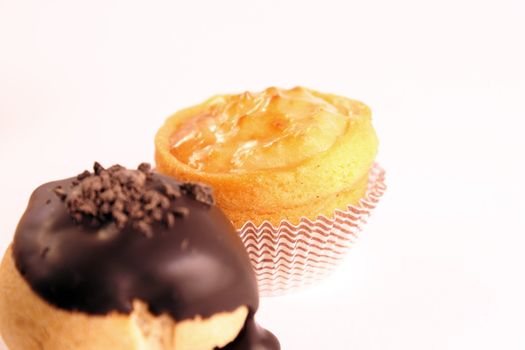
x: 27, y: 322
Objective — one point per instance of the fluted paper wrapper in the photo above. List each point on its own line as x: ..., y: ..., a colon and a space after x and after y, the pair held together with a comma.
x: 288, y: 257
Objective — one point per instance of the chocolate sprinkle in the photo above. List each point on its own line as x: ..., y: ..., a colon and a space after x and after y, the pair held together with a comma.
x: 199, y: 192
x: 59, y: 191
x: 181, y: 212
x: 128, y: 197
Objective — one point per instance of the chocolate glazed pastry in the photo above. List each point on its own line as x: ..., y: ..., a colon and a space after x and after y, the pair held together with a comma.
x: 98, y: 242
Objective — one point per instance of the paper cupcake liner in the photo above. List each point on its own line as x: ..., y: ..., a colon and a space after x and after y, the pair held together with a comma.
x: 288, y: 257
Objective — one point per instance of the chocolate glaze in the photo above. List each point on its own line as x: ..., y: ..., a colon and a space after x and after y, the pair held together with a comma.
x: 197, y: 267
x: 254, y: 337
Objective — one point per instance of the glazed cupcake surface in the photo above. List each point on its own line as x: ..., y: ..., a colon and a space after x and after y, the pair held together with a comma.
x: 274, y: 155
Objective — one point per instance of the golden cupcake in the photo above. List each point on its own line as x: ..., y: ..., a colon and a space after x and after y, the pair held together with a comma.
x: 293, y: 170
x: 274, y: 155
x: 127, y: 260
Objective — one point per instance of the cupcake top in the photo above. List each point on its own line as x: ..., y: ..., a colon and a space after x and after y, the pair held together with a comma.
x: 272, y: 129
x: 97, y: 242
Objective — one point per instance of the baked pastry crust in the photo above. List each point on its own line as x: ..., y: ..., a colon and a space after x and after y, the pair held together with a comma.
x: 30, y: 323
x: 330, y: 179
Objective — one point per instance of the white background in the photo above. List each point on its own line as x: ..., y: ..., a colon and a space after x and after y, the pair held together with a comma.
x: 441, y: 263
